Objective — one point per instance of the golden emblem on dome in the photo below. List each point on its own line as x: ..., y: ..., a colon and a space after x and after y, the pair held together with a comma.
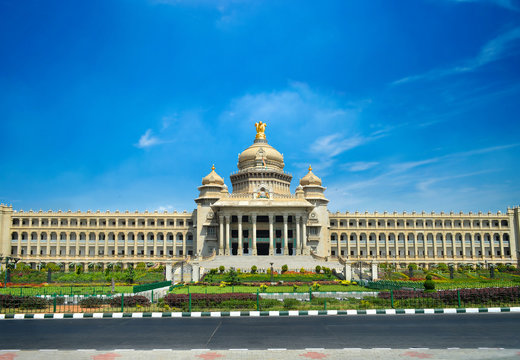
x: 260, y: 130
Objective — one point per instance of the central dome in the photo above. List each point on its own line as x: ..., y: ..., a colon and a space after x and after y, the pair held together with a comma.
x: 260, y: 154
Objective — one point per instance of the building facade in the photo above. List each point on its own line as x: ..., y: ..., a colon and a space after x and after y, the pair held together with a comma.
x: 260, y: 216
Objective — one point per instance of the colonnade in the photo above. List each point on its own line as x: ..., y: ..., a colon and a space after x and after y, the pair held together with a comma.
x: 386, y: 246
x: 298, y: 231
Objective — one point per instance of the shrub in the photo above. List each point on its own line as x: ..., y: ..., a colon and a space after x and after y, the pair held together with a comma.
x: 140, y: 266
x: 253, y: 269
x: 428, y: 277
x: 318, y: 269
x: 442, y: 267
x: 232, y: 277
x: 302, y: 271
x: 33, y: 302
x: 221, y: 269
x: 429, y: 285
x: 284, y: 268
x: 92, y: 302
x: 295, y: 288
x: 207, y: 300
x: 291, y: 303
x: 10, y: 301
x: 131, y: 301
x: 412, y: 266
x: 263, y: 287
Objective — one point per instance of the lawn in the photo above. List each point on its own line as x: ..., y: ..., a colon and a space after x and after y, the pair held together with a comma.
x: 65, y: 290
x: 203, y: 289
x: 289, y: 276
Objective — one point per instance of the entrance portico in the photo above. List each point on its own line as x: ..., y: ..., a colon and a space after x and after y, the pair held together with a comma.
x: 266, y: 231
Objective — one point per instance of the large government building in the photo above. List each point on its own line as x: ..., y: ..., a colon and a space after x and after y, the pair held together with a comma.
x: 260, y: 216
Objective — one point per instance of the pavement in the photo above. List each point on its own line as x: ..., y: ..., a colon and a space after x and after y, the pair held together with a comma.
x: 239, y: 354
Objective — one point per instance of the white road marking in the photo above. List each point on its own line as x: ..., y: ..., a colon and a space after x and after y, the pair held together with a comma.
x: 238, y: 349
x: 280, y: 349
x: 312, y: 349
x: 200, y: 349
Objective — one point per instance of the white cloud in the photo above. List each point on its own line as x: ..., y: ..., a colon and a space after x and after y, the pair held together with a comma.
x: 147, y: 139
x: 336, y: 144
x: 493, y: 50
x: 360, y: 165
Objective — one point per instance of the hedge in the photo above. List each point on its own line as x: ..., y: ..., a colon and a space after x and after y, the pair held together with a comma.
x: 177, y: 300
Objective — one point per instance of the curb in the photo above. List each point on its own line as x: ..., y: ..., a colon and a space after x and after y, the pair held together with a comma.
x: 119, y: 315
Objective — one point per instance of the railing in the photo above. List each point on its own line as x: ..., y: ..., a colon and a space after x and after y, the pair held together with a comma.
x: 152, y: 286
x: 125, y: 303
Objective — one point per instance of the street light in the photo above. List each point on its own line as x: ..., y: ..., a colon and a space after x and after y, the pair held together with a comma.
x: 272, y: 275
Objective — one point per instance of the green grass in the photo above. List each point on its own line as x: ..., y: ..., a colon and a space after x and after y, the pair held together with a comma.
x: 246, y: 277
x: 65, y: 290
x: 201, y: 289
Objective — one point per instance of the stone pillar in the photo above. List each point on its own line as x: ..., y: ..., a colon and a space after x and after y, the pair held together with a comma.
x: 304, y: 237
x: 254, y: 233
x: 500, y: 239
x: 298, y: 235
x: 226, y: 246
x: 374, y: 272
x: 239, y: 250
x: 347, y: 271
x: 195, y: 272
x: 272, y: 245
x: 169, y: 274
x: 184, y: 241
x: 221, y: 237
x: 285, y: 237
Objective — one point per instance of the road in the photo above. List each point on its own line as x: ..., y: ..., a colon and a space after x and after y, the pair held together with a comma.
x: 468, y: 331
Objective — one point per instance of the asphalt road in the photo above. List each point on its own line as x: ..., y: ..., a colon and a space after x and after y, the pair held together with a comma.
x: 329, y: 332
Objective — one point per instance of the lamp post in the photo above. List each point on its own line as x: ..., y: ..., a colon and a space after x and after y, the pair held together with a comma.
x: 272, y: 275
x: 8, y: 260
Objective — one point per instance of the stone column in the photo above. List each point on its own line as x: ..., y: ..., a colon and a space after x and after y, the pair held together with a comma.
x: 387, y: 247
x: 155, y: 234
x: 67, y: 248
x: 254, y: 233
x: 304, y: 236
x: 221, y: 237
x: 377, y: 244
x: 500, y: 239
x: 347, y: 271
x: 184, y: 240
x: 239, y: 250
x: 374, y: 272
x: 227, y: 246
x: 298, y: 236
x: 272, y: 245
x: 285, y: 237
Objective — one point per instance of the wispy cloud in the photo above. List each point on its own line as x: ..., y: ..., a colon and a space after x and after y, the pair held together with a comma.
x: 147, y: 139
x: 360, y: 165
x: 493, y: 50
x: 336, y: 144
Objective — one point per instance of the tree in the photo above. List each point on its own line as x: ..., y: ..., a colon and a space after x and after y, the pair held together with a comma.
x: 232, y: 277
x: 253, y: 269
x: 284, y: 268
x: 221, y: 269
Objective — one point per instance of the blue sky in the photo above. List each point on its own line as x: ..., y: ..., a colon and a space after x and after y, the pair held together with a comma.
x: 398, y: 105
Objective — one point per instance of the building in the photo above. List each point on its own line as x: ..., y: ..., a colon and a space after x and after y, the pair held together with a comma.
x: 260, y: 216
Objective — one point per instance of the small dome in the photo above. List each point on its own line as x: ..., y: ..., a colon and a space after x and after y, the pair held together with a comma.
x: 310, y: 179
x: 212, y: 178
